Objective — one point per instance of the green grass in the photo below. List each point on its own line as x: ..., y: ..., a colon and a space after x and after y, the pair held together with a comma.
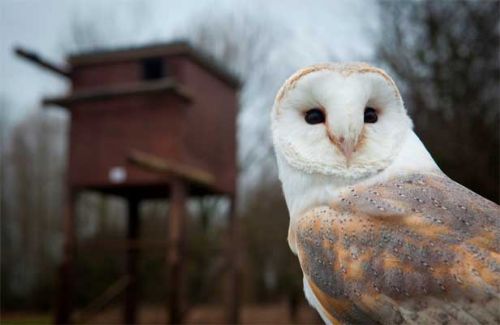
x: 20, y: 319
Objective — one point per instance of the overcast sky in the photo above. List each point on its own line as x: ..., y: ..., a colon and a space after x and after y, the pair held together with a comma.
x: 46, y: 26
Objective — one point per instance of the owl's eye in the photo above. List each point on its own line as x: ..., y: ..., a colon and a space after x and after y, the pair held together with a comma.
x: 370, y: 115
x: 315, y: 116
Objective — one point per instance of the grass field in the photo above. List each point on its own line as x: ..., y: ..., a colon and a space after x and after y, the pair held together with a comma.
x: 250, y: 314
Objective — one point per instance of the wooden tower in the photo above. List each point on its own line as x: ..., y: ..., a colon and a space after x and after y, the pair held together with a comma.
x: 149, y: 122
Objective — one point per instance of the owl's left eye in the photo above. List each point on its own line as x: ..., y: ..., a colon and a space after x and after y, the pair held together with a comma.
x: 370, y: 115
x: 314, y: 116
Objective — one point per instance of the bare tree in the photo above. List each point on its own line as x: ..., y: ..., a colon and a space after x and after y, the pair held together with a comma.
x: 34, y: 165
x: 445, y: 54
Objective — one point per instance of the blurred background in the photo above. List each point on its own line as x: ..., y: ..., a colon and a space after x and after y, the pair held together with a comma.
x: 444, y: 56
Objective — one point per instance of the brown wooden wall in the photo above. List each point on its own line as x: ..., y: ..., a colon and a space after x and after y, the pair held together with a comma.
x: 200, y: 132
x: 212, y: 123
x: 96, y: 75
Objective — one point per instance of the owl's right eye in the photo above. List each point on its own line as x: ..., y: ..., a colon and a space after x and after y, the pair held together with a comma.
x: 314, y: 116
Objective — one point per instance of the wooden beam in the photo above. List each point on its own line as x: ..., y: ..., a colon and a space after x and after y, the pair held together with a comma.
x: 65, y: 294
x: 234, y: 263
x: 163, y: 166
x: 35, y: 58
x: 176, y: 251
x: 103, y: 300
x: 132, y: 263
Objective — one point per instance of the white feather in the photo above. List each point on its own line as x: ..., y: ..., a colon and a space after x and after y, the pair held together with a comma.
x: 304, y: 191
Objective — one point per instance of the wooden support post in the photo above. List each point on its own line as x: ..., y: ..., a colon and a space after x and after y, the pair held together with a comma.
x: 132, y: 257
x: 64, y: 303
x: 175, y: 249
x: 35, y: 58
x: 234, y: 260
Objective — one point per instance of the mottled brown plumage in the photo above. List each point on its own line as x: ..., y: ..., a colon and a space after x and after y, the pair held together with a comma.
x: 414, y: 249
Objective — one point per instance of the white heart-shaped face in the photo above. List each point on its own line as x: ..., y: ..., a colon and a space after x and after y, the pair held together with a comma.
x: 348, y: 143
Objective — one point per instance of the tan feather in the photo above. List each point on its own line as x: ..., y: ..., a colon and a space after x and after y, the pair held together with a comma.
x: 414, y: 249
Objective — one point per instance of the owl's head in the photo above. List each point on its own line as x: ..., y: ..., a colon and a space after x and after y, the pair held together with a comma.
x: 346, y: 120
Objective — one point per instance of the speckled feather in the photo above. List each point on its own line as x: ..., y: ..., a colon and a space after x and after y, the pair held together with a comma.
x: 413, y: 249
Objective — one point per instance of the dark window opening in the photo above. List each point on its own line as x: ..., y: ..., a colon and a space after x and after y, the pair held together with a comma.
x: 153, y: 68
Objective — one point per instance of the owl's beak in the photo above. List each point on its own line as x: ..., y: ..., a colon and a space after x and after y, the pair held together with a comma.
x: 345, y: 146
x: 347, y: 149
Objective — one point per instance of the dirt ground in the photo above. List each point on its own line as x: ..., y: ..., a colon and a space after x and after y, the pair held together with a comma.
x: 250, y: 314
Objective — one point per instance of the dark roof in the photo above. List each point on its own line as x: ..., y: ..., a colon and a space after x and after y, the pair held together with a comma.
x: 122, y: 90
x: 170, y: 48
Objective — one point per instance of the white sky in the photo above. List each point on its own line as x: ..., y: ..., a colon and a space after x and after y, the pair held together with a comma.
x: 46, y: 27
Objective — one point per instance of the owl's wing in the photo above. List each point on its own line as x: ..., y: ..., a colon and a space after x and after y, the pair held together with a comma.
x: 416, y: 249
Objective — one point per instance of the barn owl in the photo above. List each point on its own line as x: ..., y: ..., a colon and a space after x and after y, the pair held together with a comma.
x: 381, y: 233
